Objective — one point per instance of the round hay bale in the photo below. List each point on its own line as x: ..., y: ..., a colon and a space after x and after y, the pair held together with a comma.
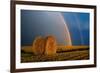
x: 51, y: 45
x: 38, y: 46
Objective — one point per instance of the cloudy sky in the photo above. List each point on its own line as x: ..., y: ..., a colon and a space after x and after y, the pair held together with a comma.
x: 44, y: 23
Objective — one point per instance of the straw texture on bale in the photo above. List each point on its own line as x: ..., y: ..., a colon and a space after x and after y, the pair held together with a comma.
x: 51, y: 45
x: 38, y: 46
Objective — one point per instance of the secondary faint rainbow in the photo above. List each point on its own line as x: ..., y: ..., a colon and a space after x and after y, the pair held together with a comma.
x: 68, y: 36
x: 79, y: 27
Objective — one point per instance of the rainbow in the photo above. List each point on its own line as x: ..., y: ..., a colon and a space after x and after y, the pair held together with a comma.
x: 68, y: 36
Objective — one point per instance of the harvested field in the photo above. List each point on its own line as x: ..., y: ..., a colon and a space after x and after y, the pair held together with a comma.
x: 61, y: 55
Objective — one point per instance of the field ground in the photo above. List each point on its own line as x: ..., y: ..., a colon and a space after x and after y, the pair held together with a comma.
x: 75, y: 53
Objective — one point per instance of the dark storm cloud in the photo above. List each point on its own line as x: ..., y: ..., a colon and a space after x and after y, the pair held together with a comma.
x: 36, y: 23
